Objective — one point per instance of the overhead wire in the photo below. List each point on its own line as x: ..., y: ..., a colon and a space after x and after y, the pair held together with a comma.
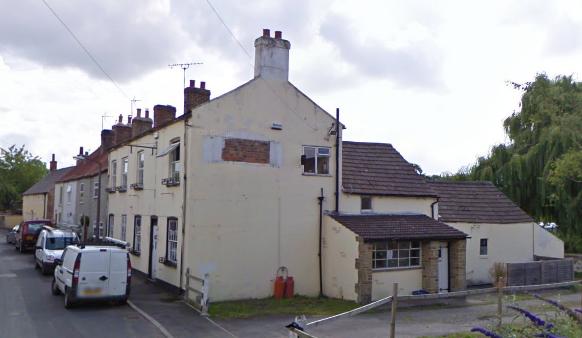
x: 85, y: 49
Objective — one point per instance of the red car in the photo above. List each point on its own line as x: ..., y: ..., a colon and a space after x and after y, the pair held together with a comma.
x: 27, y: 233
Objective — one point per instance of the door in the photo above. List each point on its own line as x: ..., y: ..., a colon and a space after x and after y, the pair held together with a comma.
x: 94, y: 273
x: 443, y: 266
x: 117, y: 273
x: 153, y: 263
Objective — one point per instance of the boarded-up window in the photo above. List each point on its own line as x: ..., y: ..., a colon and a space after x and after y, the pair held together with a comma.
x: 250, y: 151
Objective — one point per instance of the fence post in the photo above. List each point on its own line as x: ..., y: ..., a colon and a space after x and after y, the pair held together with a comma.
x: 205, y: 290
x: 187, y: 285
x: 393, y: 311
x: 499, y: 301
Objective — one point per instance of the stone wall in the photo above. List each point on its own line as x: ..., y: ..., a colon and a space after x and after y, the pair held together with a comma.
x: 430, y: 257
x: 364, y: 267
x: 458, y: 258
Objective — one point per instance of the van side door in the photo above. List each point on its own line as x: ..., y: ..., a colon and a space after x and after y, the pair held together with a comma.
x: 118, y: 273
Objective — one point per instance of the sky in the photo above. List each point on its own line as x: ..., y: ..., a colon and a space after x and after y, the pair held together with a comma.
x: 429, y: 77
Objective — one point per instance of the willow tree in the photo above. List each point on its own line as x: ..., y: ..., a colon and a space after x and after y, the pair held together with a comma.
x: 541, y: 167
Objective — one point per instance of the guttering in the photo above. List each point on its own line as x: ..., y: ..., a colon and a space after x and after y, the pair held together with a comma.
x: 320, y: 198
x: 432, y: 208
x: 184, y: 199
x: 337, y: 161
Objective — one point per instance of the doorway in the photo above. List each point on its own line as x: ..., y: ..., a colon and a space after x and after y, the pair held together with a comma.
x: 443, y: 266
x: 153, y: 262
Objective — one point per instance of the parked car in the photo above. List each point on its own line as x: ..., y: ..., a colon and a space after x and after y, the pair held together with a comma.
x: 27, y: 234
x: 11, y: 235
x: 92, y: 272
x: 50, y: 245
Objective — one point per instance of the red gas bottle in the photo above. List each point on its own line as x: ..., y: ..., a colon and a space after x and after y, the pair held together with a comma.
x: 279, y: 288
x: 289, y: 287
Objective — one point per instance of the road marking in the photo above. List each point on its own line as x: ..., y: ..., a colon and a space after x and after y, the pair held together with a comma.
x: 7, y: 275
x: 151, y: 319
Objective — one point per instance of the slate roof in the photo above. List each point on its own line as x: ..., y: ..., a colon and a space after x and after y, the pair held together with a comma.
x: 476, y: 202
x: 397, y: 227
x: 378, y: 169
x: 88, y: 167
x: 47, y: 183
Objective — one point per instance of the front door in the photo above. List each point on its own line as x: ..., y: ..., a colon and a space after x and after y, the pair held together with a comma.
x: 443, y: 266
x: 153, y: 263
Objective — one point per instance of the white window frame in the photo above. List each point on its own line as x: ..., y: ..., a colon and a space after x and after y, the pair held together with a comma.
x: 174, y: 165
x: 123, y: 229
x: 95, y: 188
x: 318, y: 152
x: 69, y: 193
x: 124, y: 171
x: 137, y: 234
x: 172, y: 240
x: 392, y: 255
x: 113, y: 173
x: 140, y: 168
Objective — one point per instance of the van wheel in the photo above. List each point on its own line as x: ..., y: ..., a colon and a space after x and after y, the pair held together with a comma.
x: 36, y: 267
x: 68, y: 299
x: 54, y: 288
x: 122, y: 301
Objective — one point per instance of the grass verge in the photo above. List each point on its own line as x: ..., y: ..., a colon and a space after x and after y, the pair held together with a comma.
x: 298, y: 305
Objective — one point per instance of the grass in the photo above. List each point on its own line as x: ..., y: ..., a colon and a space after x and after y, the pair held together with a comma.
x: 577, y: 275
x: 299, y: 305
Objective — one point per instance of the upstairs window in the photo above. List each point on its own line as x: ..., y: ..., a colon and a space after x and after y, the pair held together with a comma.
x: 69, y: 193
x: 113, y: 173
x: 140, y: 168
x: 315, y: 160
x: 124, y: 169
x: 366, y: 203
x: 175, y: 162
x: 81, y: 190
x: 483, y: 246
x: 96, y: 188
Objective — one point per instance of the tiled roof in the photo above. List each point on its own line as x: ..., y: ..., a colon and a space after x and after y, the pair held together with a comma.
x: 396, y: 227
x: 48, y: 182
x: 378, y: 169
x: 88, y: 167
x: 476, y: 202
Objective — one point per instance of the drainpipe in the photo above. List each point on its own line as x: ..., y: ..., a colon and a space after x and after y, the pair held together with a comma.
x: 432, y: 208
x: 320, y: 198
x: 337, y: 155
x: 184, y: 200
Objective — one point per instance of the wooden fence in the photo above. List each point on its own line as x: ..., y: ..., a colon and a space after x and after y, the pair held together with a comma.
x: 540, y: 272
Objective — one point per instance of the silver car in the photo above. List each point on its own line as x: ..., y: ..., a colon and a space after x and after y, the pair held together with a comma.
x: 11, y: 235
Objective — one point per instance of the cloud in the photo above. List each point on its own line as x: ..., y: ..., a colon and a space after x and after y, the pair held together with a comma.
x: 127, y: 39
x: 564, y: 36
x: 416, y: 65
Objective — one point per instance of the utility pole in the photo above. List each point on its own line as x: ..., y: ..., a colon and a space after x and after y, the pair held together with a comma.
x: 184, y: 66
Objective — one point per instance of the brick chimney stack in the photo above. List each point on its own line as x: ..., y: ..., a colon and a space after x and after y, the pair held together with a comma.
x: 272, y: 56
x: 140, y: 125
x: 163, y: 114
x: 53, y: 164
x: 121, y: 132
x: 194, y: 97
x: 106, y: 139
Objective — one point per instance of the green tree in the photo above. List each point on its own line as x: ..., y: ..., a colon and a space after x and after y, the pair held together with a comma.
x: 19, y: 170
x: 541, y: 167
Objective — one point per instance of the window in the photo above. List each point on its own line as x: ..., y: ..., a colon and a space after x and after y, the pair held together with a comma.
x: 69, y: 193
x: 61, y: 195
x: 123, y: 227
x: 81, y: 190
x: 124, y: 167
x: 366, y: 203
x: 316, y: 160
x: 140, y: 166
x: 396, y: 254
x: 113, y: 173
x: 96, y: 188
x: 137, y: 234
x: 110, y: 225
x: 175, y: 163
x: 483, y: 247
x: 172, y: 240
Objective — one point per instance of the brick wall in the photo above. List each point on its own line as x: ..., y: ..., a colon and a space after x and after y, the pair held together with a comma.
x: 364, y: 267
x: 430, y: 257
x: 458, y: 257
x: 250, y: 151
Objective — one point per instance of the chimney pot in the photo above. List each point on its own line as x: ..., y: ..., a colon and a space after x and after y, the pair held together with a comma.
x: 53, y: 158
x: 120, y: 118
x: 129, y: 119
x: 278, y: 35
x: 86, y: 153
x: 202, y: 85
x: 80, y: 150
x: 267, y: 33
x: 53, y: 164
x: 147, y: 113
x: 192, y: 83
x: 138, y: 112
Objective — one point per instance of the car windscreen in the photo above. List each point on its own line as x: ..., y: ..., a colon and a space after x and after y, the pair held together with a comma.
x: 35, y: 227
x: 59, y: 243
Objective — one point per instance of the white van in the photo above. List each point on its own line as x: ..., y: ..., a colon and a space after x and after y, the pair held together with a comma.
x: 93, y: 272
x: 50, y: 245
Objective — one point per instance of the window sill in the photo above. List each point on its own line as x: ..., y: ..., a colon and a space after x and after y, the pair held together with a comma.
x: 317, y: 175
x: 483, y: 256
x: 397, y: 269
x: 170, y: 263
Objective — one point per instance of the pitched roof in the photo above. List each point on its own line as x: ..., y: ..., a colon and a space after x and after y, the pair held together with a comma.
x: 88, y: 167
x: 47, y: 183
x: 397, y: 227
x: 476, y: 202
x: 378, y: 169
